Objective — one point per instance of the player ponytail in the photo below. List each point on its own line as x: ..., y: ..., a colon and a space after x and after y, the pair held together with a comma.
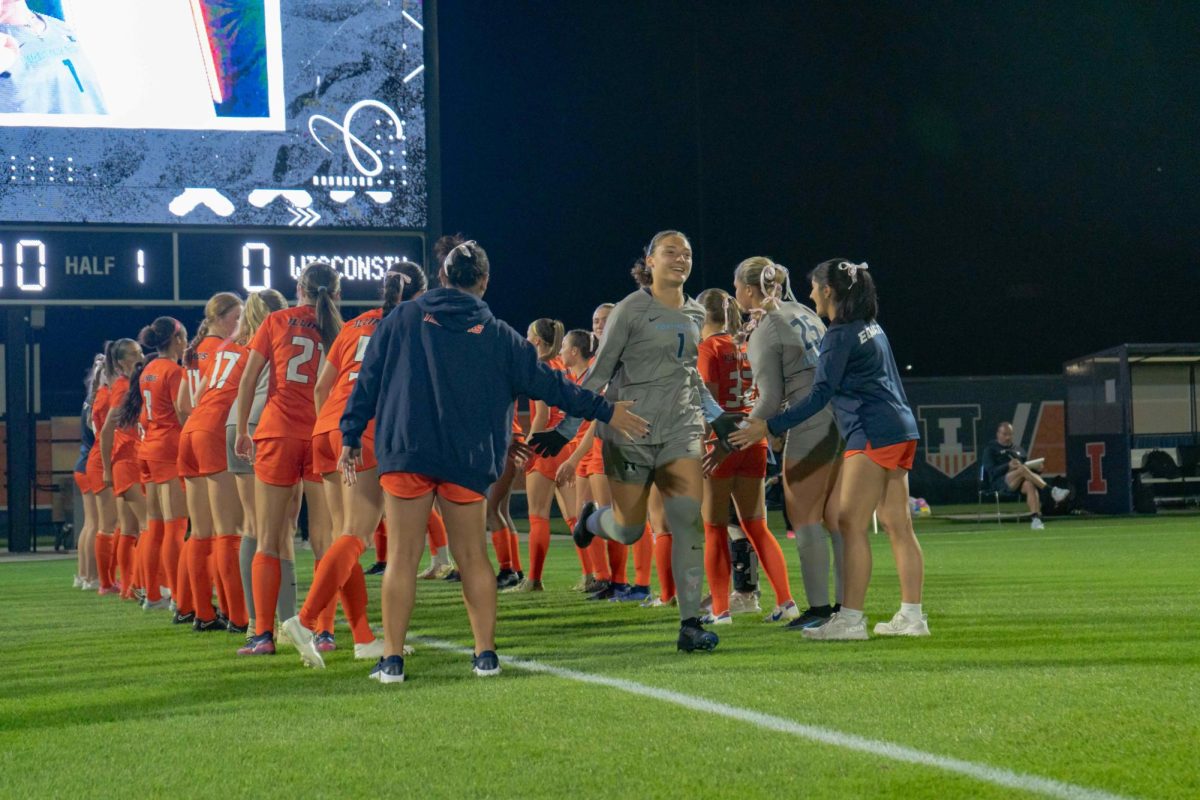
x: 550, y: 333
x: 721, y: 309
x: 95, y: 376
x: 321, y: 283
x: 853, y: 289
x: 404, y: 281
x: 258, y: 305
x: 217, y: 306
x: 156, y: 336
x: 465, y: 266
x: 581, y: 340
x: 771, y: 279
x: 641, y: 274
x: 114, y: 352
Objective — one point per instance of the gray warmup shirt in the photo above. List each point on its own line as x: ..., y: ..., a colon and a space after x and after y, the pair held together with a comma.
x: 783, y: 351
x: 648, y: 355
x: 52, y: 75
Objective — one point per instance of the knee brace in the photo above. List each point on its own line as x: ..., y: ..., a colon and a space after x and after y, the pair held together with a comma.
x: 745, y: 565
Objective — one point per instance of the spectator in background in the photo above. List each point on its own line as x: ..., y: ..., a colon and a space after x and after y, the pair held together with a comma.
x: 1004, y: 463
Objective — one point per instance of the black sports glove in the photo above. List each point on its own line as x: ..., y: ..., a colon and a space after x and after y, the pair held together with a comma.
x: 725, y: 425
x: 548, y: 443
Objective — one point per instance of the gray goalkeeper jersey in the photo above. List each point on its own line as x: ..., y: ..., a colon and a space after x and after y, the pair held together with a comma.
x: 783, y: 351
x: 648, y: 355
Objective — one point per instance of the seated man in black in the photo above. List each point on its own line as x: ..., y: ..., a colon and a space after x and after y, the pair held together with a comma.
x: 1004, y: 465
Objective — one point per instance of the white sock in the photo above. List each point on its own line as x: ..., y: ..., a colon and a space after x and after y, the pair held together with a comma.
x: 910, y: 610
x: 850, y: 615
x: 442, y: 557
x: 593, y: 522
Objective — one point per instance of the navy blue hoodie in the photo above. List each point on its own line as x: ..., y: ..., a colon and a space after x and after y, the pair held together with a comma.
x: 439, y: 377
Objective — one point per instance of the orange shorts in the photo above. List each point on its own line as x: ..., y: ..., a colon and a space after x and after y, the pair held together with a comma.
x: 84, y: 482
x: 282, y: 461
x: 409, y: 486
x: 126, y: 474
x: 749, y: 463
x: 327, y: 448
x: 592, y: 463
x: 158, y: 471
x: 201, y: 453
x: 894, y: 456
x: 549, y: 466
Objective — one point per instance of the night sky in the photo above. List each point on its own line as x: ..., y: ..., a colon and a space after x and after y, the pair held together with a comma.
x: 1024, y: 179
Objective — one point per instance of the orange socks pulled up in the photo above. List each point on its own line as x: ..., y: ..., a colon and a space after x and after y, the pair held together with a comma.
x: 539, y: 545
x: 266, y: 592
x: 717, y: 566
x: 643, y: 558
x: 770, y: 556
x: 435, y: 528
x: 339, y: 572
x: 618, y: 558
x: 381, y: 543
x: 183, y: 580
x: 199, y: 551
x: 514, y: 550
x: 598, y: 552
x: 152, y: 559
x: 500, y: 545
x: 662, y: 560
x: 125, y: 545
x: 104, y: 568
x: 169, y: 560
x: 225, y: 554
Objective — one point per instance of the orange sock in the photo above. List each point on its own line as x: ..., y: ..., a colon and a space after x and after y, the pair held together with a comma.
x: 215, y: 575
x: 643, y: 558
x: 125, y: 564
x: 152, y: 559
x: 331, y: 576
x: 618, y: 557
x: 201, y: 578
x: 514, y: 550
x: 342, y: 559
x: 381, y: 543
x: 183, y: 600
x: 599, y: 558
x: 500, y: 545
x: 585, y: 555
x: 770, y: 555
x: 539, y: 545
x: 266, y: 592
x: 327, y: 614
x: 103, y: 569
x: 169, y: 561
x: 435, y: 528
x: 662, y: 560
x: 226, y: 551
x: 717, y: 566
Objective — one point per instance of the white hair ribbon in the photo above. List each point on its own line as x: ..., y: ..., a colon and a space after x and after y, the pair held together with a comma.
x: 853, y: 269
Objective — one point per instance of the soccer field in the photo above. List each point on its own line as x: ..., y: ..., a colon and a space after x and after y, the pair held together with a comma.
x: 1062, y: 664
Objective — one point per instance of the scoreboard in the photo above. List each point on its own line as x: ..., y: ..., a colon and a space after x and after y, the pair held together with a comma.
x: 147, y: 267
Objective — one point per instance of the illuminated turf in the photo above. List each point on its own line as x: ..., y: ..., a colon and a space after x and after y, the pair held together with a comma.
x: 1071, y: 655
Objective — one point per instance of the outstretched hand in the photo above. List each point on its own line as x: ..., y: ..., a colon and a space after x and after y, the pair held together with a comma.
x: 348, y: 463
x: 626, y: 422
x: 547, y: 443
x: 751, y: 432
x: 713, y: 458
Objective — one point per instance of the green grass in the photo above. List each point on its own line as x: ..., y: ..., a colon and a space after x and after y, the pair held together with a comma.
x: 1071, y: 654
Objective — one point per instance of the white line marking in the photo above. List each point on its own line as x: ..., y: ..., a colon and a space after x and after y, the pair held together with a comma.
x: 414, y: 73
x: 896, y: 752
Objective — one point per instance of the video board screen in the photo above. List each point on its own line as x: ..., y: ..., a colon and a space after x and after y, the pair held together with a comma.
x: 301, y: 113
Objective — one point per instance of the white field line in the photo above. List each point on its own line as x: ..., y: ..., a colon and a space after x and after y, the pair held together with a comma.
x: 896, y: 752
x: 1172, y: 526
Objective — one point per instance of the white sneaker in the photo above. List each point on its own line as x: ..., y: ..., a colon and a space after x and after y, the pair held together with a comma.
x: 839, y: 629
x: 783, y: 613
x: 1037, y: 524
x: 371, y: 650
x: 165, y: 592
x: 162, y: 603
x: 901, y: 625
x: 723, y: 619
x: 302, y: 638
x: 78, y: 584
x: 1059, y: 494
x: 744, y: 603
x: 90, y: 586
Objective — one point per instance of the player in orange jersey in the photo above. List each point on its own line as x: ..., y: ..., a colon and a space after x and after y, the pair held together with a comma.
x: 86, y: 574
x: 106, y: 503
x: 546, y: 335
x: 216, y: 367
x: 152, y: 403
x: 118, y: 453
x: 289, y: 344
x: 356, y: 507
x: 740, y: 476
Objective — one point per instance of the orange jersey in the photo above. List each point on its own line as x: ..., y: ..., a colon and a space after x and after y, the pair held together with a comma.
x: 227, y: 365
x: 291, y: 343
x: 125, y: 440
x: 100, y: 406
x: 556, y: 416
x: 346, y: 357
x: 723, y: 362
x: 159, y: 420
x: 201, y: 362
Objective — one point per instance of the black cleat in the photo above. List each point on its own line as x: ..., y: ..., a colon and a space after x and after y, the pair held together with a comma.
x: 693, y: 637
x: 607, y: 590
x: 582, y: 536
x: 813, y: 617
x: 204, y: 626
x: 453, y: 577
x: 377, y: 568
x: 183, y: 619
x: 506, y: 578
x: 232, y: 628
x: 224, y: 620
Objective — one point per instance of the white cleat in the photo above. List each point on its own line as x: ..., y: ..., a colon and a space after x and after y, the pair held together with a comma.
x: 721, y: 619
x: 901, y: 625
x: 78, y: 584
x: 372, y: 650
x: 785, y: 613
x: 838, y: 629
x: 302, y: 638
x: 156, y: 605
x: 744, y: 603
x: 90, y: 586
x: 1037, y: 524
